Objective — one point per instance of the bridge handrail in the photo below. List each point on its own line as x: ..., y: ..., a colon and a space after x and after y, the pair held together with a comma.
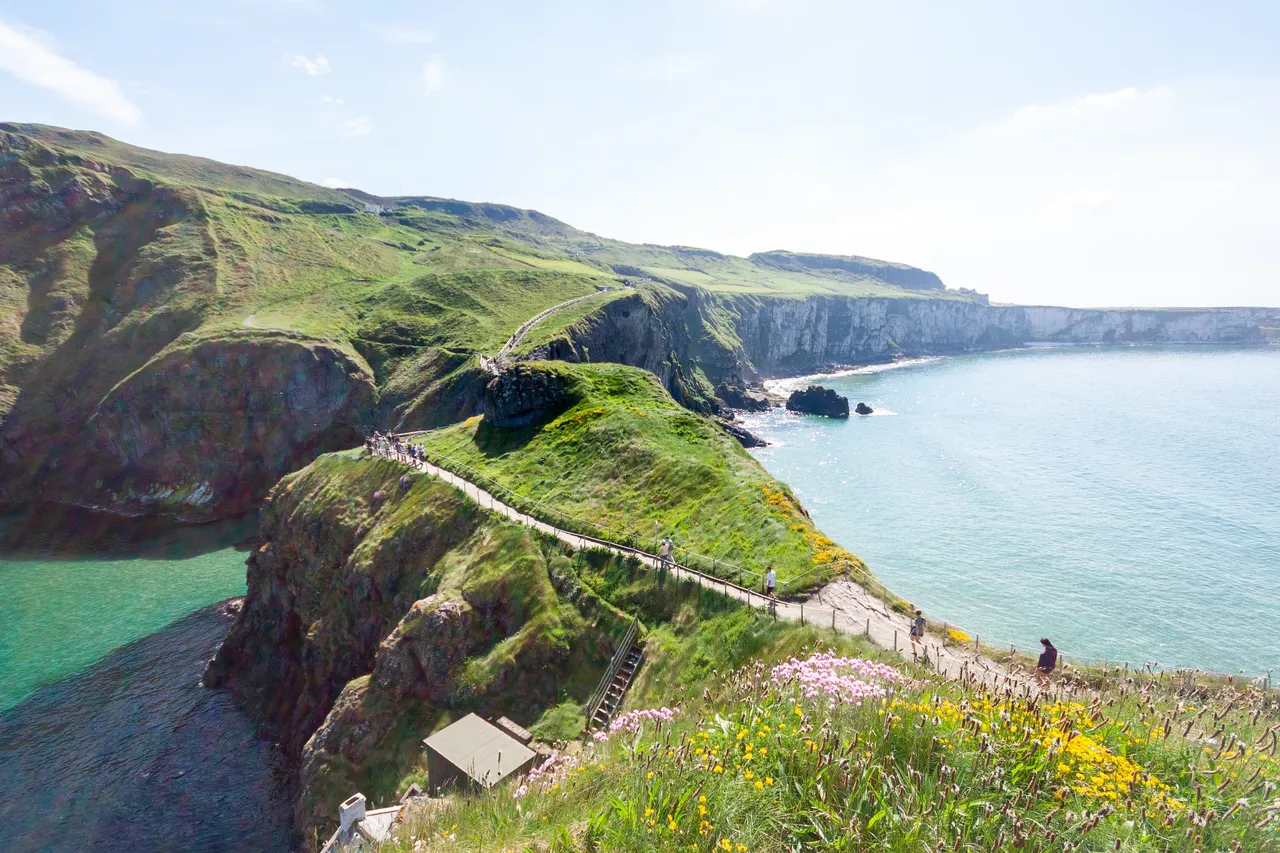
x: 615, y: 664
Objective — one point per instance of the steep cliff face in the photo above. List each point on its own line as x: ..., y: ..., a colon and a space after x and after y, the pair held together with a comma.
x: 205, y: 430
x: 792, y: 335
x: 675, y: 334
x: 107, y: 398
x: 382, y: 603
x: 692, y: 339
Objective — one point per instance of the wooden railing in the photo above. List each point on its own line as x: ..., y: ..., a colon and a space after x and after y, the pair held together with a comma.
x: 628, y: 640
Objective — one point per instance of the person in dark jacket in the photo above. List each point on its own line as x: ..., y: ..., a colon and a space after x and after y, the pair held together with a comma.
x: 1048, y: 660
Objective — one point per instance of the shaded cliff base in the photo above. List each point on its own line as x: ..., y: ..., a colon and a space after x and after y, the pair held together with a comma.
x: 47, y: 529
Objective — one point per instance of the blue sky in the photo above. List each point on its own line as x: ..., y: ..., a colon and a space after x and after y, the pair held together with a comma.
x: 1067, y: 153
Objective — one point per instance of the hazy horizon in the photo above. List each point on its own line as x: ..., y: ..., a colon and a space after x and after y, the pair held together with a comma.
x: 1091, y: 156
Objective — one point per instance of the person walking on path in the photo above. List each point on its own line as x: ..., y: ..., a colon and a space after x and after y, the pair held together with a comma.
x: 917, y: 631
x: 664, y: 552
x: 770, y: 582
x: 1048, y: 661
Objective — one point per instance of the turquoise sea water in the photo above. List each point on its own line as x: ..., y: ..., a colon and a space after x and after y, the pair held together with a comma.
x: 1123, y: 501
x: 57, y: 616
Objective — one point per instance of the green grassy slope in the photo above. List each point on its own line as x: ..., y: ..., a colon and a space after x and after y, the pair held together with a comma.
x: 116, y: 261
x: 624, y: 456
x: 758, y: 765
x: 288, y: 255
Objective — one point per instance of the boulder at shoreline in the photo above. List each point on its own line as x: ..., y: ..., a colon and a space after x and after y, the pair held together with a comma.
x: 816, y: 400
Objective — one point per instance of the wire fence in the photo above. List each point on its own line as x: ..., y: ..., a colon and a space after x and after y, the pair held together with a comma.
x: 630, y: 538
x: 738, y: 582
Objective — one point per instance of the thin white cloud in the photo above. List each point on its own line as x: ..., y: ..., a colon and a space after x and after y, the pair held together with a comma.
x: 328, y: 99
x: 24, y: 56
x: 1124, y: 109
x: 314, y: 67
x: 402, y: 35
x: 357, y: 127
x: 670, y: 68
x: 435, y: 75
x: 335, y: 183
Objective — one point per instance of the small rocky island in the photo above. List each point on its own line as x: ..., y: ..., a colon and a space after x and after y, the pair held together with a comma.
x: 816, y: 400
x: 863, y: 409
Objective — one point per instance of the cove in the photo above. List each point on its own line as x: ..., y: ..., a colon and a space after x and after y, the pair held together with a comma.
x: 67, y: 605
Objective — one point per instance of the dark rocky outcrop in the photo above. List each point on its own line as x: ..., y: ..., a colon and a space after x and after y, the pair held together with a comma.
x: 661, y: 330
x: 744, y: 436
x: 863, y: 409
x: 524, y: 394
x: 816, y: 400
x: 737, y: 397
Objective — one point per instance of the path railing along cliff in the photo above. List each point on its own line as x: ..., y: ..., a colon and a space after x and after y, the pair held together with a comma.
x: 843, y: 606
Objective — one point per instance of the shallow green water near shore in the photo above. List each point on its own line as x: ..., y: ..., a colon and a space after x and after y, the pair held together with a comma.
x: 59, y: 615
x: 1123, y: 501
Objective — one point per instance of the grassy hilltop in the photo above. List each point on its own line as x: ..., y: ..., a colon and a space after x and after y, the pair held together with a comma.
x: 123, y: 268
x: 623, y: 459
x: 827, y: 752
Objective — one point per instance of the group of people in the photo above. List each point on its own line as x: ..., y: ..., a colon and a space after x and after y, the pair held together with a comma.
x: 389, y: 444
x: 1045, y: 664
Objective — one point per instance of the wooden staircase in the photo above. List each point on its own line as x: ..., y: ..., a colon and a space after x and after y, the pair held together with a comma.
x: 617, y: 678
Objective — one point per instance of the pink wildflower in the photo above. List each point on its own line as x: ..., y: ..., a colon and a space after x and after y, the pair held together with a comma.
x: 836, y: 679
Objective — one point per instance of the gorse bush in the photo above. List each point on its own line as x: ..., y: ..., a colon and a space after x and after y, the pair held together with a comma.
x: 824, y: 752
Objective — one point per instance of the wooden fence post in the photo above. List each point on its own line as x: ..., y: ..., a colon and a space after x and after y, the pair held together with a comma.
x: 868, y: 627
x: 801, y: 614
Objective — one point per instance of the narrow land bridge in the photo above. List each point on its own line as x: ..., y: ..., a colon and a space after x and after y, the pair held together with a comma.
x: 843, y: 605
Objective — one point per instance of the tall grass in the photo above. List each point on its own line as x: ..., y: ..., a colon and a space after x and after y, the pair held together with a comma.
x: 803, y: 758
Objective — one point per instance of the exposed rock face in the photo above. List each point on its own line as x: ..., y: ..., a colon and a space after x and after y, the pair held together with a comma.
x: 661, y: 330
x: 205, y: 431
x: 367, y: 620
x: 737, y: 397
x: 744, y: 436
x: 790, y: 336
x: 524, y: 394
x: 706, y: 347
x: 863, y: 409
x: 816, y: 400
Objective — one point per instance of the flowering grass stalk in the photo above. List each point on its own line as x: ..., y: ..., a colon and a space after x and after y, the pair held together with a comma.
x: 825, y: 752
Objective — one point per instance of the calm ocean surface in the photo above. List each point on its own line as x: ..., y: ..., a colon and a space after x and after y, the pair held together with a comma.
x: 1123, y: 501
